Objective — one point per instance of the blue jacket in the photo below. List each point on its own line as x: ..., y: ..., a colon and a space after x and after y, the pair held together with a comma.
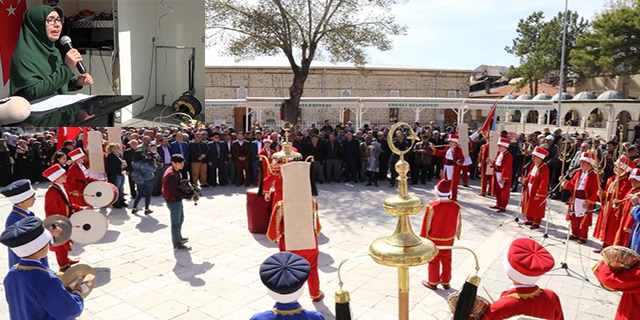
x: 299, y: 313
x: 16, y: 215
x: 146, y: 169
x: 33, y: 291
x: 175, y: 148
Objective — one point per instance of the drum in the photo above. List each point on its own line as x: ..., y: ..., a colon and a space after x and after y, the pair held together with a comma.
x: 100, y: 194
x: 257, y: 212
x: 619, y: 258
x: 88, y: 226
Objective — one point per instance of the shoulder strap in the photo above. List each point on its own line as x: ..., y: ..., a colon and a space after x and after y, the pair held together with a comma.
x: 64, y: 198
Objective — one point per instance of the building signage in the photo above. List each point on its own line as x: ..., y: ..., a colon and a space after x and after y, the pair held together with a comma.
x: 413, y: 105
x: 308, y: 105
x: 517, y: 107
x: 221, y: 105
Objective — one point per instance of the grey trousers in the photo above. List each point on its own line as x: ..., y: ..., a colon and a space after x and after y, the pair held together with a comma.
x: 333, y: 170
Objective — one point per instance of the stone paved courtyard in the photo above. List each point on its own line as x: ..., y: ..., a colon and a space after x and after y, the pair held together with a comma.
x: 140, y: 276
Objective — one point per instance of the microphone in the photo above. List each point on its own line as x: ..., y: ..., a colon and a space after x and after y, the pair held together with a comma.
x: 66, y: 43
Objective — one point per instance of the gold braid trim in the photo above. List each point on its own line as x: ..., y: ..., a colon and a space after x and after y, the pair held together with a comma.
x: 276, y: 208
x: 316, y: 216
x: 20, y: 213
x: 459, y: 231
x: 429, y: 217
x: 287, y: 312
x: 525, y: 295
x: 29, y: 268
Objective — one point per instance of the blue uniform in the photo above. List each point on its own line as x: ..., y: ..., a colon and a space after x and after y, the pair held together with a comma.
x: 33, y: 291
x: 16, y: 215
x: 634, y: 238
x: 288, y: 311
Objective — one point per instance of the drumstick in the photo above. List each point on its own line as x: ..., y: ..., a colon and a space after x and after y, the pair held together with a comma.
x: 489, y: 295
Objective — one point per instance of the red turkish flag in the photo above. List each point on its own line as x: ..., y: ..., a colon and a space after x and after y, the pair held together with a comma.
x: 11, y: 12
x: 67, y: 133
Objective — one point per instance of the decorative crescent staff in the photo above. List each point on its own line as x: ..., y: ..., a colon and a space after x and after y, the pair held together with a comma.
x: 404, y: 249
x: 564, y: 155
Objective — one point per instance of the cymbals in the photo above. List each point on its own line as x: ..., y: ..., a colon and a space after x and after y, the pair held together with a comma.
x: 62, y: 223
x: 82, y: 273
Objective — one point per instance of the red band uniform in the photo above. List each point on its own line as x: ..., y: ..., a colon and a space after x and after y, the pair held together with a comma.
x: 276, y: 233
x: 453, y: 160
x: 485, y: 179
x: 536, y: 186
x: 441, y: 224
x: 77, y: 178
x: 617, y: 188
x: 502, y: 166
x: 585, y: 185
x: 626, y: 207
x: 57, y: 202
x: 625, y: 281
x: 525, y: 263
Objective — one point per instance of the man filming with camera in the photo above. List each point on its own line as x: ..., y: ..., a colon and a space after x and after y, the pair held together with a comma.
x: 173, y: 195
x: 145, y: 164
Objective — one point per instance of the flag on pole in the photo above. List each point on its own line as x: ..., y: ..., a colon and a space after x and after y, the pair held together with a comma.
x: 11, y: 12
x: 67, y: 133
x: 490, y: 122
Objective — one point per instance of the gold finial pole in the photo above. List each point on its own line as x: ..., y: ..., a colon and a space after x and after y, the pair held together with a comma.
x: 403, y: 249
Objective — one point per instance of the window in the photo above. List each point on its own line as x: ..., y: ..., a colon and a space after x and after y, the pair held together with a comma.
x: 241, y: 93
x: 345, y: 93
x: 394, y: 93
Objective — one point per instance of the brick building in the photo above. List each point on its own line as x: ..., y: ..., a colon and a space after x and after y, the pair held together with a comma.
x: 227, y: 86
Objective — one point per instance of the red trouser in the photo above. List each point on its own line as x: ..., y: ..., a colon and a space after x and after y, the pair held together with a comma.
x: 485, y: 184
x: 465, y: 174
x: 579, y: 227
x: 240, y: 166
x: 311, y: 255
x: 436, y: 275
x: 62, y: 254
x: 502, y: 194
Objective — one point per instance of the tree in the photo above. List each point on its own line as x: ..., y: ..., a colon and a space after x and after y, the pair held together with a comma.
x: 610, y: 47
x: 301, y: 30
x: 539, y: 46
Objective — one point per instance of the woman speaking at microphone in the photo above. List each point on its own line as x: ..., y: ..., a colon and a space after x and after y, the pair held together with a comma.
x: 37, y: 68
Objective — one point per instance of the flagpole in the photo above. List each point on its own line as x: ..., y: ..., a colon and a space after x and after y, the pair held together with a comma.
x: 562, y: 57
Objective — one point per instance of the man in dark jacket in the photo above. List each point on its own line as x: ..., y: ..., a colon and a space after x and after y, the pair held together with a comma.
x: 128, y: 157
x: 256, y: 146
x: 350, y: 154
x: 333, y: 159
x: 318, y: 150
x: 164, y: 151
x: 198, y: 157
x: 218, y: 158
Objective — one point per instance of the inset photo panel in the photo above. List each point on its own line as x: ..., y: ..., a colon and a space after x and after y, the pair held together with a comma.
x: 101, y: 63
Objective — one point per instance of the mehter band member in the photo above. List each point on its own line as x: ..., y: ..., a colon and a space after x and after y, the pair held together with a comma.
x: 502, y: 167
x: 536, y: 187
x: 452, y: 162
x: 284, y: 275
x: 33, y: 290
x: 525, y: 262
x: 586, y: 186
x: 77, y: 177
x: 441, y: 224
x: 57, y: 201
x: 22, y: 195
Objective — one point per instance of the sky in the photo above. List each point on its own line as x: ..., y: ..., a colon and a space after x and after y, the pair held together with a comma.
x: 451, y: 34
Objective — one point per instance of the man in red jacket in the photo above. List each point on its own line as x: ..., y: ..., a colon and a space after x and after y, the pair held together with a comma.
x: 57, y: 202
x: 536, y: 186
x: 241, y: 152
x: 485, y: 178
x: 617, y: 189
x: 625, y: 281
x: 585, y: 187
x: 525, y: 263
x: 452, y: 162
x: 77, y: 177
x: 441, y: 224
x: 502, y: 167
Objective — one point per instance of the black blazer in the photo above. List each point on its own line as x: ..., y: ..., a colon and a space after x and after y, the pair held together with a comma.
x: 113, y: 163
x: 213, y: 154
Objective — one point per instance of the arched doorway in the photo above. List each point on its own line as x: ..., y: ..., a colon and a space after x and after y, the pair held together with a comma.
x: 532, y: 116
x: 622, y: 123
x: 596, y: 119
x: 572, y: 118
x: 516, y: 116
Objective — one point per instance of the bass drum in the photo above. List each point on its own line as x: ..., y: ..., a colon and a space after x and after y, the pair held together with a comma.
x: 188, y: 104
x: 257, y: 212
x: 100, y: 194
x: 88, y: 226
